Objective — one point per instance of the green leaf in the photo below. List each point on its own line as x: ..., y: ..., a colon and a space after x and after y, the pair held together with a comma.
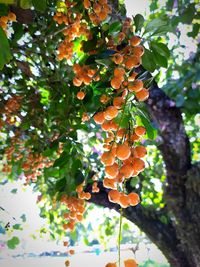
x: 13, y: 242
x: 14, y: 191
x: 155, y: 24
x: 151, y: 130
x: 40, y: 5
x: 160, y: 48
x: 8, y: 2
x: 115, y: 27
x: 134, y: 181
x: 89, y: 45
x: 79, y: 177
x: 160, y: 60
x: 18, y: 30
x: 139, y: 22
x: 148, y: 61
x: 23, y: 217
x: 5, y: 53
x: 188, y: 14
x: 3, y: 9
x: 25, y: 4
x: 62, y: 160
x: 17, y: 226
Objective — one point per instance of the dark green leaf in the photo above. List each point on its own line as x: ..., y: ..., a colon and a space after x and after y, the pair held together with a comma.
x: 139, y: 22
x: 79, y: 177
x: 160, y: 60
x: 18, y: 30
x: 188, y: 14
x: 40, y: 5
x: 14, y: 191
x: 23, y: 217
x: 17, y: 226
x: 13, y: 242
x: 115, y: 27
x: 3, y: 9
x: 161, y: 48
x: 62, y: 160
x: 89, y: 45
x: 5, y: 53
x: 148, y: 61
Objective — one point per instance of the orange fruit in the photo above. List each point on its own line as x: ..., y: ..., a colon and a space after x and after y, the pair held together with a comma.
x: 140, y: 151
x: 132, y: 77
x: 104, y: 99
x: 118, y: 102
x: 130, y: 263
x: 132, y: 62
x: 123, y: 151
x: 140, y: 130
x: 71, y: 251
x: 138, y: 164
x: 112, y: 170
x: 133, y: 199
x: 118, y: 58
x: 115, y: 83
x: 110, y: 264
x: 142, y: 95
x: 77, y: 82
x: 80, y: 95
x: 86, y: 4
x: 127, y: 170
x: 138, y: 51
x: 106, y: 126
x: 121, y: 132
x: 135, y: 40
x: 67, y: 263
x: 114, y: 196
x: 65, y: 243
x: 135, y: 137
x: 111, y: 112
x: 109, y: 183
x: 135, y: 86
x: 119, y: 72
x: 107, y: 158
x: 99, y: 117
x: 124, y: 201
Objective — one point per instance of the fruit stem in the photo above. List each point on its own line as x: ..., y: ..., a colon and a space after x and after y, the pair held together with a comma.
x: 119, y: 236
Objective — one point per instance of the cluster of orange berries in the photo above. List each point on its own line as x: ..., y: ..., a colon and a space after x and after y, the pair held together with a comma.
x: 75, y: 27
x: 4, y: 20
x: 127, y: 263
x: 84, y: 75
x: 98, y: 11
x: 10, y: 110
x: 32, y: 164
x: 76, y: 208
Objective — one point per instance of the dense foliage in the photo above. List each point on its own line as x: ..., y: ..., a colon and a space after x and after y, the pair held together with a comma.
x: 64, y: 65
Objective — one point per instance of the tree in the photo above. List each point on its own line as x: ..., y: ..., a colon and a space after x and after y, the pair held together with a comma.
x: 43, y: 109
